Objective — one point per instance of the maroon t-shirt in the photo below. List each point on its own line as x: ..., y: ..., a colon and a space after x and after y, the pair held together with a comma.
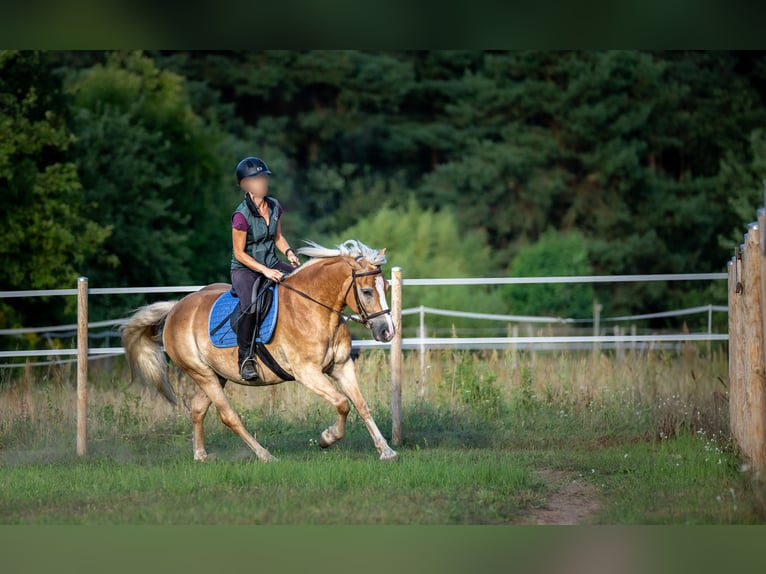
x: 238, y: 221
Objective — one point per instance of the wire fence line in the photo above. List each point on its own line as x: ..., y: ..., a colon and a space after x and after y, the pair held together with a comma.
x: 58, y: 361
x: 565, y: 320
x: 567, y: 279
x: 413, y: 311
x: 422, y: 342
x: 405, y: 283
x: 59, y: 328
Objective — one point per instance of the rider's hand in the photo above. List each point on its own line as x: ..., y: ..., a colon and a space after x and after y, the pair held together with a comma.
x: 273, y: 274
x: 293, y: 258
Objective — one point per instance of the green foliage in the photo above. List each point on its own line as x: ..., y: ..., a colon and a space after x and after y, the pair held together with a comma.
x: 555, y: 254
x: 150, y: 170
x: 45, y: 231
x: 653, y: 157
x: 425, y: 244
x: 745, y: 178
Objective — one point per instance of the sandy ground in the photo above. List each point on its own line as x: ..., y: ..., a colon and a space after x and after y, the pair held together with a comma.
x: 573, y: 500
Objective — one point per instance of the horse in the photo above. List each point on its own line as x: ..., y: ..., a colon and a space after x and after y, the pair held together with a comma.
x: 311, y: 342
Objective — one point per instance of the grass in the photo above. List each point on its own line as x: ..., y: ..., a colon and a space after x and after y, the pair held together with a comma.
x: 648, y: 432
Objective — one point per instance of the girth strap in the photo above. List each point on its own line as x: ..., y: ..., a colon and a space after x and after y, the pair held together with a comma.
x: 271, y: 363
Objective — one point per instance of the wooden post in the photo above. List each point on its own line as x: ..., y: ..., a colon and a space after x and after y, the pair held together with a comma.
x: 735, y: 374
x: 755, y: 378
x: 514, y: 334
x: 762, y: 268
x: 619, y: 346
x: 597, y: 307
x: 423, y: 351
x: 633, y: 332
x: 396, y: 356
x: 82, y: 365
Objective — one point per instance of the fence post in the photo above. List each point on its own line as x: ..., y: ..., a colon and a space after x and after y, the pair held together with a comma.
x: 597, y: 307
x: 619, y: 346
x: 396, y: 356
x: 754, y: 373
x: 762, y: 268
x: 82, y: 366
x: 737, y: 356
x: 422, y: 336
x: 633, y: 332
x: 514, y: 334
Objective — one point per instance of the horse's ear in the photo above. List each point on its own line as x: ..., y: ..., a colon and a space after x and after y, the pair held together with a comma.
x: 383, y: 251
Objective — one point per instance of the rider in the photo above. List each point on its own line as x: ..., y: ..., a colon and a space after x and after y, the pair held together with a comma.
x: 256, y: 232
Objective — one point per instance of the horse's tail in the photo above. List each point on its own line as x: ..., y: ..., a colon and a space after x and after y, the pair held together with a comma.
x: 141, y: 339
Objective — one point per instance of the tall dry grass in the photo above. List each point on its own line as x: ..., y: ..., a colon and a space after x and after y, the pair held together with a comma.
x: 659, y: 392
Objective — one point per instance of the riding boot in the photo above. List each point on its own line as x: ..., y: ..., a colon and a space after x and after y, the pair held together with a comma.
x: 246, y: 361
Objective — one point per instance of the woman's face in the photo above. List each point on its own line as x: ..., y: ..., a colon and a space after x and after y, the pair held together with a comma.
x: 256, y: 186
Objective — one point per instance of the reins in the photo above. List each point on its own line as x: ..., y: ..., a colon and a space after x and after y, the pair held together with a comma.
x: 363, y: 318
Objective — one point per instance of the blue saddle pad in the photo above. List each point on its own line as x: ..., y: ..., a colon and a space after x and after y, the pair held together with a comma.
x: 226, y: 336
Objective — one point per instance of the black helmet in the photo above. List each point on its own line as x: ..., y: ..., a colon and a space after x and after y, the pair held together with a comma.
x: 251, y: 166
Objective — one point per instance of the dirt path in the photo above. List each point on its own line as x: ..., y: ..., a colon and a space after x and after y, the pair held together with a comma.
x: 573, y: 500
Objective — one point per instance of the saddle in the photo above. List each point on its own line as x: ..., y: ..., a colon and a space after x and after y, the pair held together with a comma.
x: 224, y: 317
x: 225, y: 313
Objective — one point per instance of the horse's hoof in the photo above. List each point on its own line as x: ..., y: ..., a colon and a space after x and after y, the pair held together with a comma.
x: 326, y: 439
x: 269, y: 458
x: 389, y: 456
x: 200, y: 456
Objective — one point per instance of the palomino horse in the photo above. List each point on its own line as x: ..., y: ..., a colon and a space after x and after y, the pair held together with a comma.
x: 311, y: 340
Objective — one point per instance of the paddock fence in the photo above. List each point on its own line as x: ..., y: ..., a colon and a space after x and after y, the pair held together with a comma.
x: 747, y: 362
x: 618, y: 339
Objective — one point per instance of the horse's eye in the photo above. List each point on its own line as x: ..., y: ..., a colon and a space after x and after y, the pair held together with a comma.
x: 367, y: 292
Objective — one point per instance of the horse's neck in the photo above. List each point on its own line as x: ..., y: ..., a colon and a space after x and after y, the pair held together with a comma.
x: 323, y: 281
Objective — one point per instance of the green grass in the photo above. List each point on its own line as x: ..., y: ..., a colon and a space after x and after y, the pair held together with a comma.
x: 648, y: 432
x: 437, y: 487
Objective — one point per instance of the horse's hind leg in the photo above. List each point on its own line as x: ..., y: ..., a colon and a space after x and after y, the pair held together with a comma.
x: 345, y: 376
x: 212, y: 387
x: 199, y: 405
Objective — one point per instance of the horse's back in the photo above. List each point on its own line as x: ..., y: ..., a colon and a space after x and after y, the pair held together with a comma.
x: 215, y: 287
x: 186, y: 324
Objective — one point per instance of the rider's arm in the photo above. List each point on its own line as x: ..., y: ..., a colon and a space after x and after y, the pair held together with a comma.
x: 280, y: 241
x: 284, y: 246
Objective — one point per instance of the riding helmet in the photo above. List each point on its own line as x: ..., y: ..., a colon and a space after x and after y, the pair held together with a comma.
x: 251, y: 166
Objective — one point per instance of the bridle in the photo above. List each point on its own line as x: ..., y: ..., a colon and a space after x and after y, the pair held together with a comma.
x: 363, y: 317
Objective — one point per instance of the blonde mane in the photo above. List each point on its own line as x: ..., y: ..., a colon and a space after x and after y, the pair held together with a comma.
x: 352, y: 248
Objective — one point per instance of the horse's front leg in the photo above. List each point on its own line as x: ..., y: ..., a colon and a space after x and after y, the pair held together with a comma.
x: 315, y: 380
x: 345, y: 375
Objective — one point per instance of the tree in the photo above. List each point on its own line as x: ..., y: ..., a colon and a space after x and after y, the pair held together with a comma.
x: 624, y: 147
x: 431, y: 244
x: 45, y: 234
x: 744, y: 179
x: 150, y: 169
x: 554, y: 255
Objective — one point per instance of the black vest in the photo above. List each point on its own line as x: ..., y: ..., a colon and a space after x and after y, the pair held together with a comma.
x: 260, y: 237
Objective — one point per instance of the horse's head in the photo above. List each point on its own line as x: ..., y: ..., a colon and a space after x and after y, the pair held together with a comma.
x: 367, y: 297
x: 366, y: 291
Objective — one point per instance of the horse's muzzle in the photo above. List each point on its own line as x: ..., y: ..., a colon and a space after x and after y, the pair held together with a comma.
x: 382, y: 328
